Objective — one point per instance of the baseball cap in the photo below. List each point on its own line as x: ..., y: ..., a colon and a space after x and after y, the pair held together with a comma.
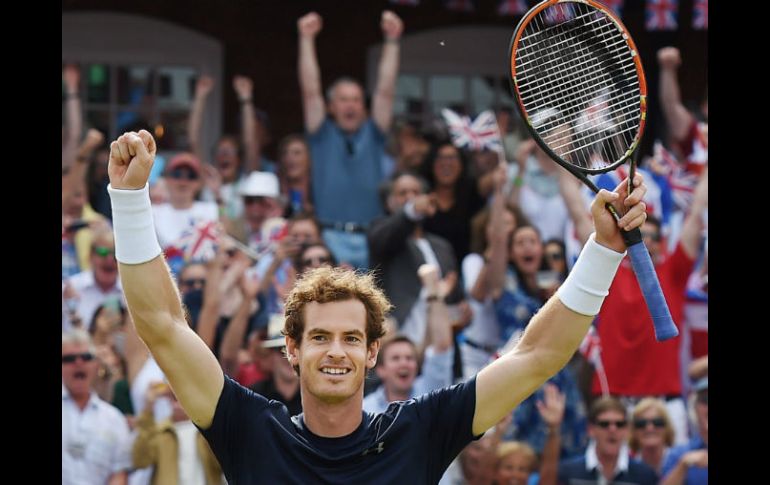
x: 260, y: 184
x: 185, y: 159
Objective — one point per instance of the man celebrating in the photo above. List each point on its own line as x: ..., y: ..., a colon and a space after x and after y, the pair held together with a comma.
x: 334, y: 320
x: 347, y: 147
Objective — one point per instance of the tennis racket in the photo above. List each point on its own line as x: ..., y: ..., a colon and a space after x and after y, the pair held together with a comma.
x: 579, y: 85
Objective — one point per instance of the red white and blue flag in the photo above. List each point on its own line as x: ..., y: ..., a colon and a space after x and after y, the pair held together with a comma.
x: 479, y: 134
x: 662, y: 14
x: 559, y: 13
x: 512, y: 7
x: 700, y: 15
x: 681, y: 177
x: 615, y: 5
x: 591, y: 346
x: 199, y: 242
x: 460, y: 5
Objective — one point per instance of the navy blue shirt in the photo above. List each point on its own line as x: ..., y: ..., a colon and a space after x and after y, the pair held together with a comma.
x: 574, y: 472
x: 414, y: 441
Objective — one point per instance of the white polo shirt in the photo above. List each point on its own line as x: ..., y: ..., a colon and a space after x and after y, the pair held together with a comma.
x: 94, y: 442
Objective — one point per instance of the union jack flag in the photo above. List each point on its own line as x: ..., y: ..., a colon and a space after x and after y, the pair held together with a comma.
x: 558, y: 13
x: 460, y: 5
x: 477, y: 135
x: 700, y: 15
x: 662, y: 14
x: 412, y: 3
x: 615, y: 5
x: 512, y: 7
x: 199, y: 242
x: 681, y: 178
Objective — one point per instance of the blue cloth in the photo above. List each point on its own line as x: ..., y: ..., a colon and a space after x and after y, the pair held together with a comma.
x: 695, y: 475
x: 257, y: 442
x: 346, y: 172
x: 515, y: 307
x: 69, y: 260
x: 574, y: 472
x: 531, y: 428
x: 348, y: 247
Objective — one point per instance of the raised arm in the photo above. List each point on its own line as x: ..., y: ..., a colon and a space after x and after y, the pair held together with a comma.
x: 76, y: 176
x: 244, y: 88
x: 569, y: 187
x: 692, y: 227
x: 677, y: 117
x: 71, y: 77
x: 492, y: 276
x: 151, y: 294
x: 203, y: 88
x: 313, y: 107
x: 555, y: 332
x: 387, y: 72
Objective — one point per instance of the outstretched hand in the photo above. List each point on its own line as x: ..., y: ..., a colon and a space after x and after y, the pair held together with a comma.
x: 131, y: 159
x: 607, y: 229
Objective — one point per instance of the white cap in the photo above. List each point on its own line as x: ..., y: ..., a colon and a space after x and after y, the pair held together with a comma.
x: 260, y: 184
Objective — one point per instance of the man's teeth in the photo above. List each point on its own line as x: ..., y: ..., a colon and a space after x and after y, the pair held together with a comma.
x: 327, y: 370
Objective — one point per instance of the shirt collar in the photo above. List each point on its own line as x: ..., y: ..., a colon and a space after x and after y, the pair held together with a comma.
x: 65, y: 396
x: 592, y: 460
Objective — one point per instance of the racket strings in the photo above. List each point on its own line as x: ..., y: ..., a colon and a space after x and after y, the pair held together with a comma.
x: 580, y: 74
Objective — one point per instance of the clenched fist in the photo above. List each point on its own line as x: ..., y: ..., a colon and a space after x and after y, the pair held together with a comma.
x: 131, y: 159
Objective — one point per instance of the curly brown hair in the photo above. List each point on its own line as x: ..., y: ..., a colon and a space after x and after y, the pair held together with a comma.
x: 325, y: 285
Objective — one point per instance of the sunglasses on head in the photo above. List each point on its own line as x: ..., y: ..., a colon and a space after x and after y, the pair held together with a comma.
x: 316, y: 260
x: 182, y: 173
x: 642, y: 423
x: 194, y: 282
x: 103, y: 251
x: 71, y: 358
x: 605, y: 423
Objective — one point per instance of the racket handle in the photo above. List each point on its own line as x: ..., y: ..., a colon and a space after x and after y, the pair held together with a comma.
x: 648, y: 281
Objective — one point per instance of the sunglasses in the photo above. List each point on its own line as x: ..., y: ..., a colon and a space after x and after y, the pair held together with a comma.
x: 554, y: 256
x: 194, y: 282
x: 318, y: 260
x: 182, y: 173
x: 71, y: 358
x: 103, y: 251
x: 604, y: 424
x: 642, y: 423
x: 253, y: 199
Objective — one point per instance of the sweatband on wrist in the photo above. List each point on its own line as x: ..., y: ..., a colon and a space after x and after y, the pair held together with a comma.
x: 590, y: 279
x: 135, y: 238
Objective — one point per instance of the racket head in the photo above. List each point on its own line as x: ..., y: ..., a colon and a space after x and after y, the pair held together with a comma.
x: 579, y: 84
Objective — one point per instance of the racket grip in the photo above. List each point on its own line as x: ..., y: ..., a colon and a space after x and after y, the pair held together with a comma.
x: 648, y: 281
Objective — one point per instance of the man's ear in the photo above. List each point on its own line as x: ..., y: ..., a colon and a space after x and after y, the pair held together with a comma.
x: 371, y: 359
x: 291, y: 351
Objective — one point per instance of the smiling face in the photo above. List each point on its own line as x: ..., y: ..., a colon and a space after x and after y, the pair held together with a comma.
x: 526, y: 250
x: 610, y: 430
x: 346, y: 106
x: 333, y: 356
x: 447, y: 166
x: 398, y: 367
x: 514, y: 469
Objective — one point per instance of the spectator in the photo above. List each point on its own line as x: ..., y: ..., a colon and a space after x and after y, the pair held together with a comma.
x: 347, y: 147
x: 688, y: 464
x: 653, y: 433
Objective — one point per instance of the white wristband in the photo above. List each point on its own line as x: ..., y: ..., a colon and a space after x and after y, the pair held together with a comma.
x: 590, y: 279
x: 135, y: 238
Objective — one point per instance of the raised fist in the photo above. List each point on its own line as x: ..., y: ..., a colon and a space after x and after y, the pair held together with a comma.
x: 131, y: 159
x: 310, y: 25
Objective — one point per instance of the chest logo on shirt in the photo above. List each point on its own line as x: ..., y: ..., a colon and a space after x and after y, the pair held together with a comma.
x: 377, y: 449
